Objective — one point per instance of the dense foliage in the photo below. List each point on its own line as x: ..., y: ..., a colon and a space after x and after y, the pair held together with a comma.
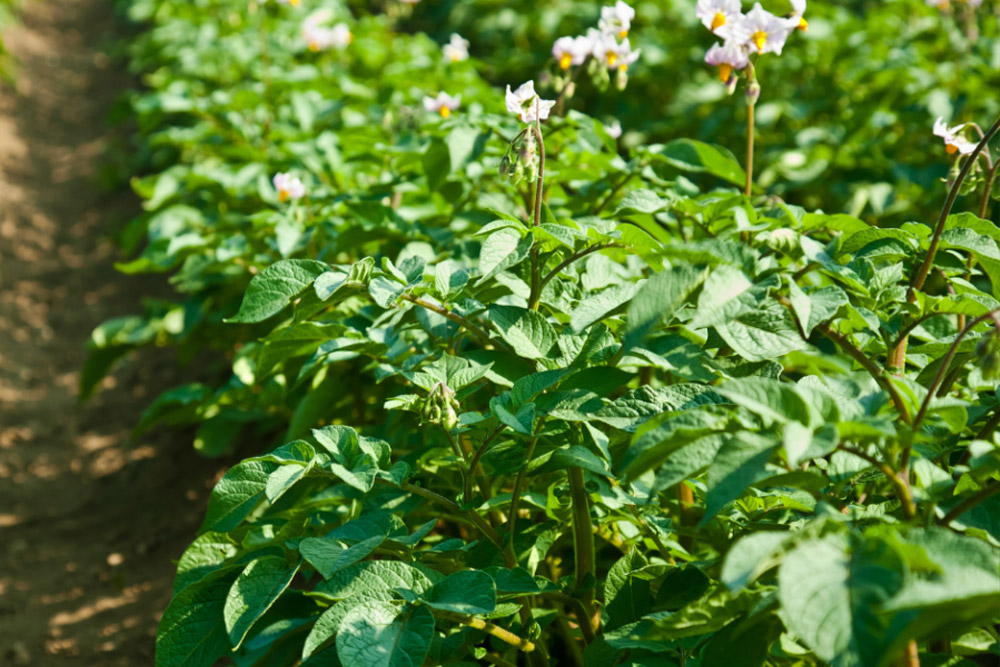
x: 548, y: 396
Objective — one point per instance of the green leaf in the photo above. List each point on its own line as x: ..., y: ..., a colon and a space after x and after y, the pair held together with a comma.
x: 326, y: 626
x: 626, y: 598
x: 528, y: 332
x: 750, y: 557
x: 378, y: 634
x: 642, y: 201
x: 236, y: 494
x: 719, y: 300
x: 254, y: 591
x: 741, y: 462
x: 773, y: 400
x: 192, y: 632
x: 763, y: 334
x: 275, y: 287
x: 598, y: 306
x: 328, y: 555
x: 830, y: 591
x: 695, y: 156
x: 468, y: 592
x: 954, y: 583
x: 373, y: 577
x: 502, y: 250
x: 658, y: 299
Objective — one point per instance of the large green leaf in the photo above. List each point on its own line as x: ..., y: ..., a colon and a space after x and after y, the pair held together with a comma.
x: 276, y: 286
x: 765, y: 333
x: 741, y: 462
x: 379, y: 634
x: 527, y: 331
x: 658, y: 299
x: 192, y: 632
x: 467, y: 592
x: 236, y: 494
x: 830, y: 591
x: 696, y: 156
x: 329, y: 555
x: 254, y: 591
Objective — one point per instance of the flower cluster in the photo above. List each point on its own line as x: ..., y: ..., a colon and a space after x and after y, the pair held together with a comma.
x: 608, y: 46
x: 320, y: 36
x: 443, y: 104
x: 456, y: 50
x: 954, y: 142
x: 743, y: 35
x: 944, y: 5
x: 289, y: 187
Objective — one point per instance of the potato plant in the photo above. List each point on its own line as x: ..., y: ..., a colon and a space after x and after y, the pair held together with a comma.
x: 551, y: 394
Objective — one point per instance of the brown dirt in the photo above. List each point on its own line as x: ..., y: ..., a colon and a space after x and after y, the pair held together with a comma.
x: 89, y: 522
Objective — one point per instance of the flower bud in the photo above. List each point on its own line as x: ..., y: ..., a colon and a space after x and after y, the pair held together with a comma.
x: 570, y: 90
x: 753, y: 93
x: 731, y: 84
x: 621, y: 79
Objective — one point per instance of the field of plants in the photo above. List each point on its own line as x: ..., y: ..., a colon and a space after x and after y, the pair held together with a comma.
x: 662, y: 334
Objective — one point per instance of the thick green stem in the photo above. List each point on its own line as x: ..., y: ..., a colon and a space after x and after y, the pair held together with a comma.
x: 583, y: 542
x: 536, y: 285
x: 750, y: 138
x: 897, y: 357
x: 984, y: 493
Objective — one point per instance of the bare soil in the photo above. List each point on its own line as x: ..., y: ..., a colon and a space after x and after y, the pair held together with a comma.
x: 89, y: 521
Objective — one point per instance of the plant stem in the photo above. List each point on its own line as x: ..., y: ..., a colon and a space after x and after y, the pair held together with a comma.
x: 614, y: 191
x: 502, y: 634
x: 572, y: 258
x: 943, y: 368
x: 897, y: 357
x: 457, y: 319
x: 515, y: 497
x: 750, y: 138
x: 485, y: 528
x: 583, y: 542
x: 536, y: 286
x: 869, y: 366
x: 985, y: 203
x: 474, y: 462
x: 979, y: 496
x: 902, y: 488
x: 911, y: 655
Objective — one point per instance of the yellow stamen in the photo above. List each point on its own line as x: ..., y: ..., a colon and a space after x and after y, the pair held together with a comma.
x: 444, y: 111
x: 294, y: 3
x: 612, y: 58
x: 282, y: 195
x: 623, y: 67
x: 724, y: 72
x: 803, y: 24
x: 314, y: 46
x: 759, y: 39
x: 622, y: 34
x: 951, y: 149
x: 565, y: 60
x: 718, y: 21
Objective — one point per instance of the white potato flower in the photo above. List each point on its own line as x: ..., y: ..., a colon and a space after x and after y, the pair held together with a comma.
x: 457, y: 49
x: 569, y: 51
x: 766, y: 33
x: 717, y: 14
x: 320, y: 37
x: 796, y: 20
x: 953, y: 141
x: 288, y: 187
x: 443, y: 104
x: 616, y: 20
x: 526, y: 103
x: 727, y: 57
x: 614, y: 129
